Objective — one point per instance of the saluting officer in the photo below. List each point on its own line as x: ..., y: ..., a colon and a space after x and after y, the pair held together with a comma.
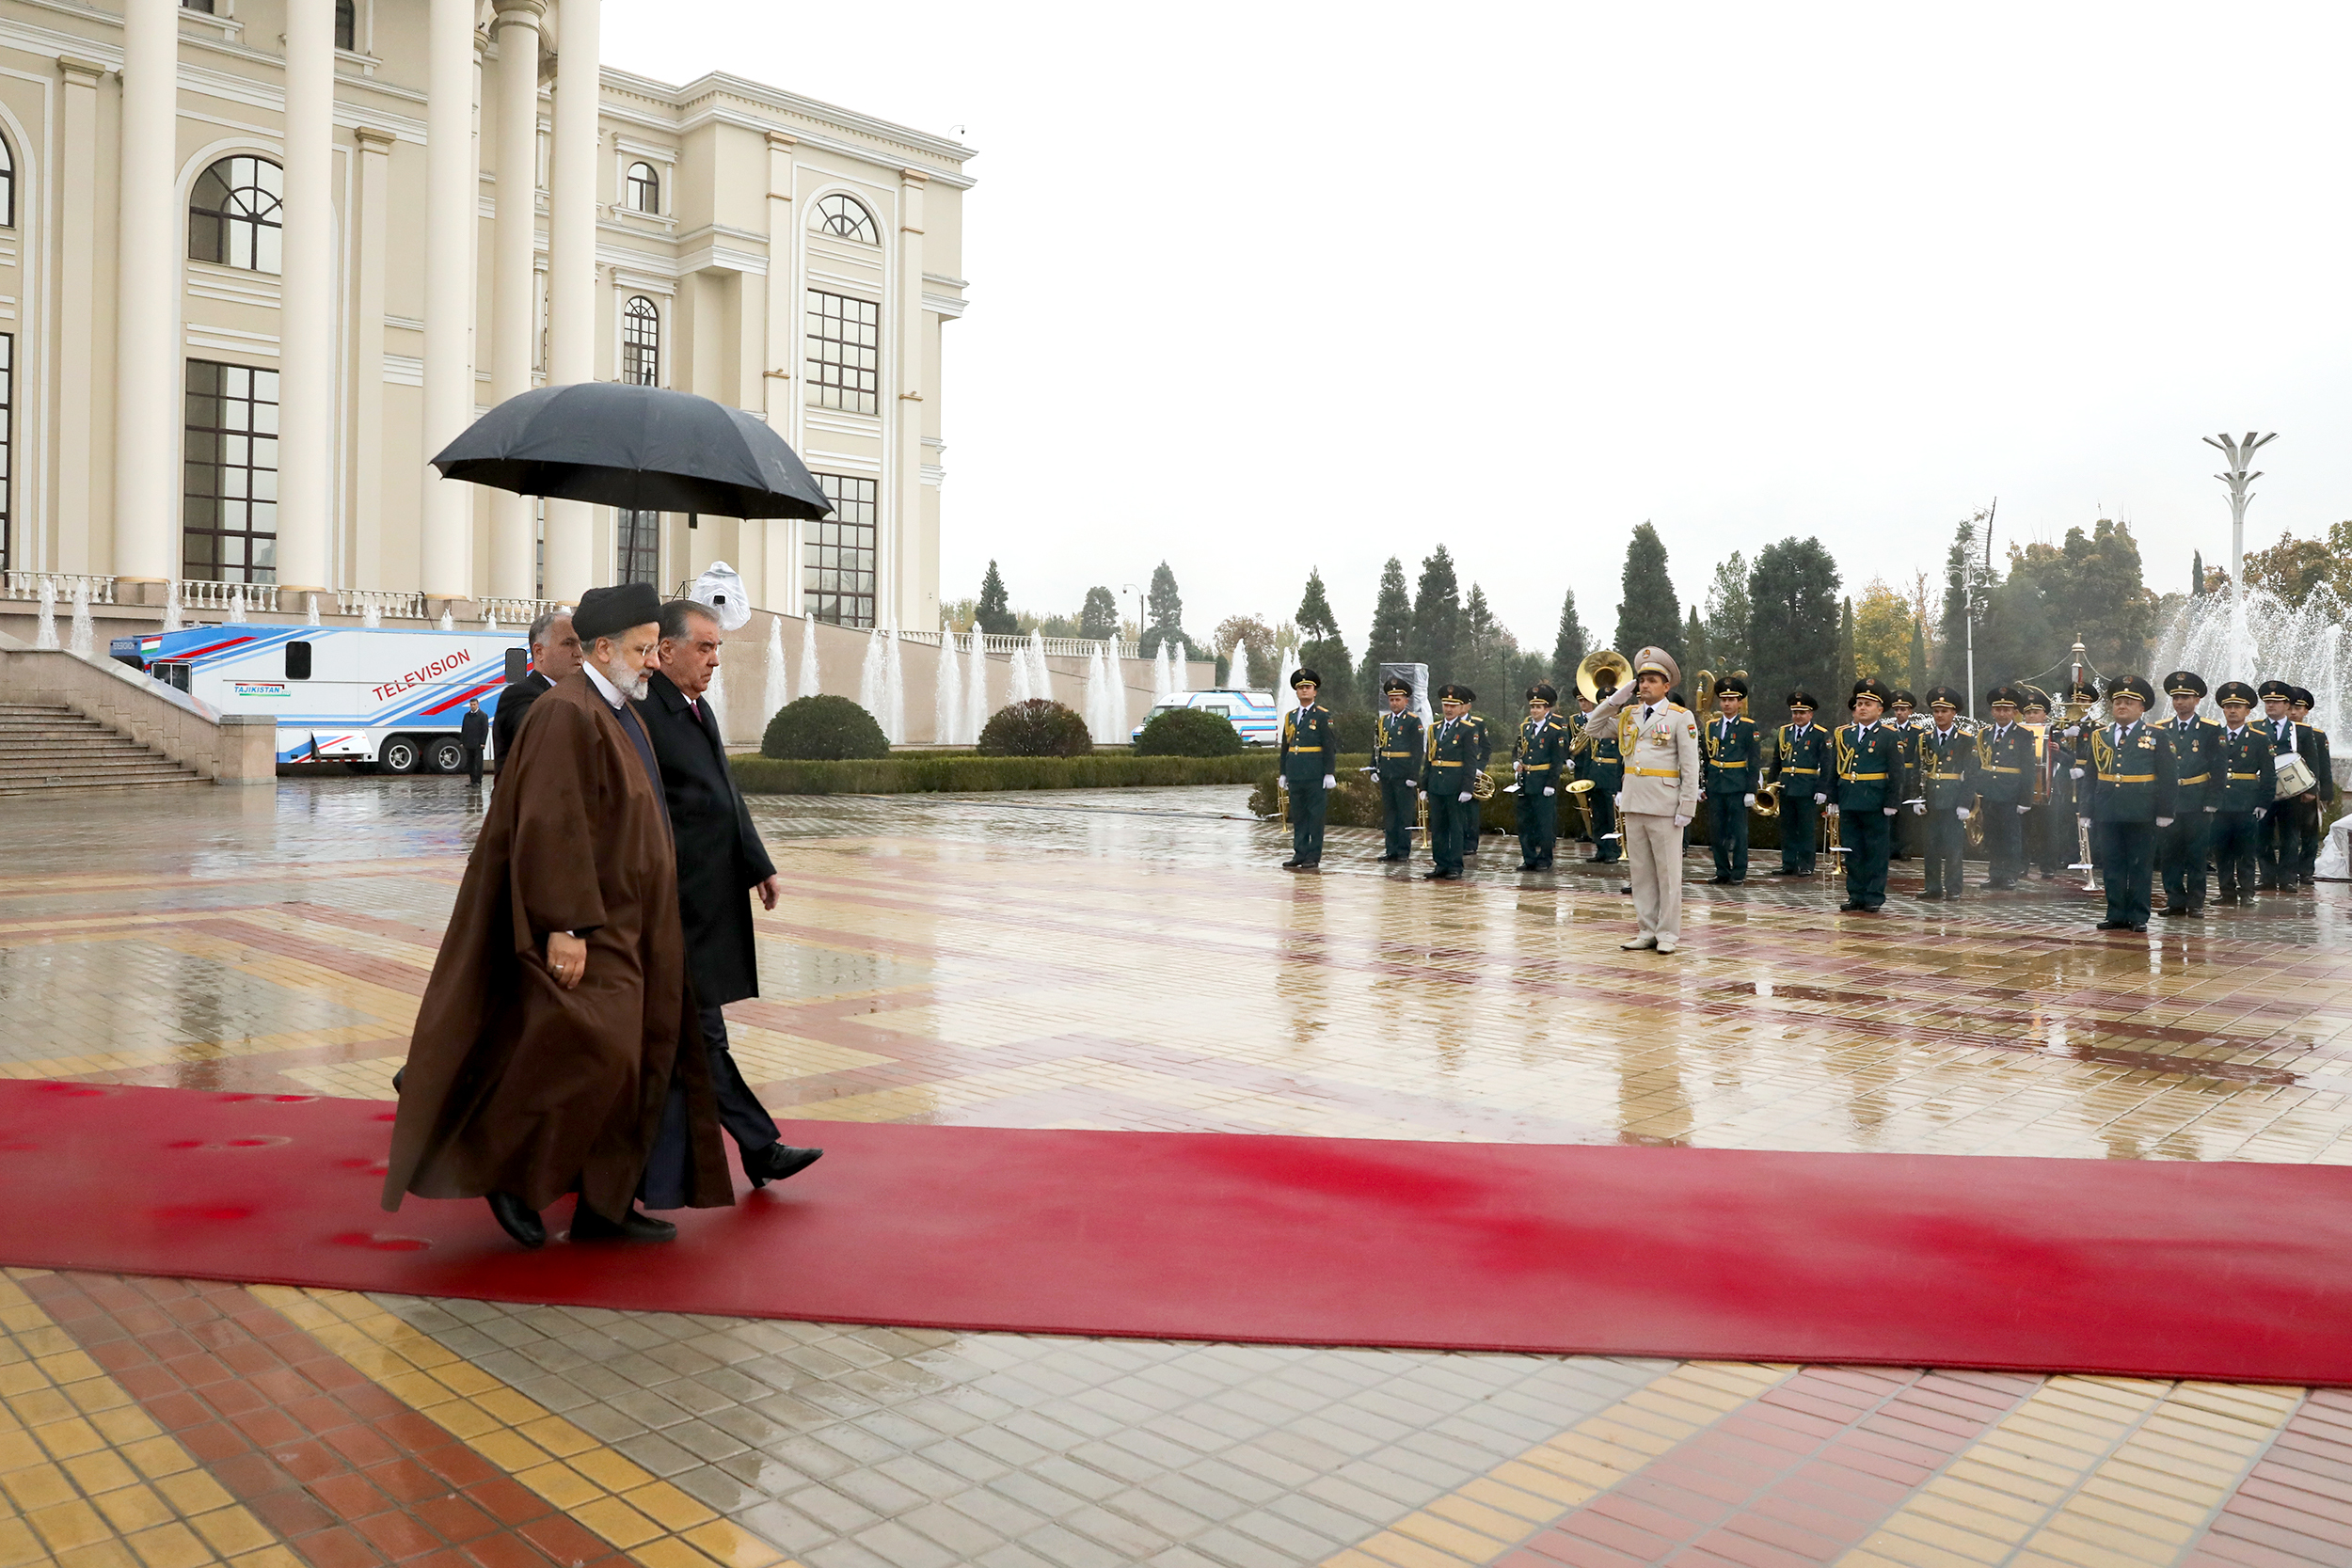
x: 1309, y: 751
x: 1801, y: 767
x: 1660, y: 741
x: 2196, y: 743
x: 1458, y: 749
x: 2131, y: 781
x: 2282, y: 851
x: 2309, y: 815
x: 1734, y: 751
x: 1948, y: 792
x: 2243, y: 783
x: 1539, y: 758
x: 1902, y: 717
x: 1606, y: 769
x: 1396, y: 763
x: 1869, y: 779
x: 2005, y: 764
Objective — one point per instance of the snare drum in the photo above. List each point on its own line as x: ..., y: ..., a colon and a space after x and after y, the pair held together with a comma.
x: 2295, y: 776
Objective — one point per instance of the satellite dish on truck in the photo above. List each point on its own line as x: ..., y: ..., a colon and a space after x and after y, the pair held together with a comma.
x: 722, y: 588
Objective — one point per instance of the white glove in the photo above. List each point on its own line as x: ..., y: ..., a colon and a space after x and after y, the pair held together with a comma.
x: 2023, y: 810
x: 2164, y: 822
x: 1331, y: 781
x: 1751, y: 803
x: 2073, y: 772
x: 2210, y: 810
x: 1412, y: 783
x: 1464, y: 798
x: 1831, y: 807
x: 1682, y: 821
x: 2261, y: 811
x: 1549, y: 790
x: 1820, y: 800
x: 1888, y: 811
x: 1918, y: 808
x: 1424, y: 795
x: 1961, y: 811
x: 1281, y: 784
x: 2083, y: 821
x: 1702, y: 792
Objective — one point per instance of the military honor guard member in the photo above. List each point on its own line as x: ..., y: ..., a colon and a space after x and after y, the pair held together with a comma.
x: 1800, y: 770
x: 1396, y: 765
x: 1869, y: 779
x: 2281, y: 847
x: 1606, y: 769
x: 1903, y: 716
x: 1540, y: 761
x: 2196, y: 743
x: 2309, y: 815
x: 1659, y: 742
x: 2049, y: 832
x: 2005, y: 768
x: 1948, y: 792
x: 1309, y: 751
x: 1458, y: 749
x: 2129, y: 774
x: 2240, y: 794
x: 1734, y: 751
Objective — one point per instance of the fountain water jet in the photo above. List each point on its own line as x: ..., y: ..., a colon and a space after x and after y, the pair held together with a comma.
x: 778, y: 691
x: 976, y: 708
x: 45, y: 632
x: 809, y: 687
x: 947, y: 694
x: 84, y: 642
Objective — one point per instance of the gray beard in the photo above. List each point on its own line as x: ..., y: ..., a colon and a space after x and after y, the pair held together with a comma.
x: 632, y: 686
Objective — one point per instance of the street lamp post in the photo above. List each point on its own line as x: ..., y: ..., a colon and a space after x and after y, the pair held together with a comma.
x: 2240, y: 452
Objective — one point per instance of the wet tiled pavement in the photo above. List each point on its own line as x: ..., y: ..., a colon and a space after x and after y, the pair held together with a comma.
x: 1132, y: 960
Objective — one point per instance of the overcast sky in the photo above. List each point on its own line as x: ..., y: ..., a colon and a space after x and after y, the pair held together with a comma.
x: 1261, y: 286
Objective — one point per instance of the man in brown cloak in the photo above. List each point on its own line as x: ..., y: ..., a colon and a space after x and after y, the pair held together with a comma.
x: 559, y: 1015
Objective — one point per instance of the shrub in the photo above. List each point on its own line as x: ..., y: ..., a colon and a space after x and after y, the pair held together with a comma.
x: 1354, y: 729
x: 1188, y: 731
x: 925, y: 772
x: 1037, y: 728
x: 823, y: 728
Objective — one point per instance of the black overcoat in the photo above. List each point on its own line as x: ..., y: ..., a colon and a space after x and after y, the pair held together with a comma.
x: 720, y: 857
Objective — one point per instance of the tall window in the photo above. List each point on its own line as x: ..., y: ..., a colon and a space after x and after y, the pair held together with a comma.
x: 229, y: 516
x: 8, y: 430
x: 641, y: 190
x: 837, y: 562
x: 234, y: 217
x: 7, y: 185
x: 641, y: 343
x: 204, y: 6
x: 346, y: 24
x: 844, y: 353
x: 639, y: 546
x: 844, y: 218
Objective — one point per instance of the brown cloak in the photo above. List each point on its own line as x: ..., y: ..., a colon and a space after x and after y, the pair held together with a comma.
x: 513, y: 1083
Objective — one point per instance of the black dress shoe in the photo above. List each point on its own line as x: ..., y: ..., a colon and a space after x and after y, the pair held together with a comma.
x: 1441, y: 876
x: 2141, y: 929
x: 589, y: 1225
x: 776, y: 1162
x: 1849, y: 907
x: 2115, y: 926
x: 1931, y: 896
x: 2174, y: 912
x: 519, y: 1222
x: 1391, y: 858
x: 1290, y: 865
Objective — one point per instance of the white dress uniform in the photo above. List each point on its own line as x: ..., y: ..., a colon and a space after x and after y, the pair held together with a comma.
x: 1659, y: 742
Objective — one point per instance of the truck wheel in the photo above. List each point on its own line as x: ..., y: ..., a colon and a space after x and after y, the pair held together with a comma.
x: 445, y: 756
x: 401, y: 754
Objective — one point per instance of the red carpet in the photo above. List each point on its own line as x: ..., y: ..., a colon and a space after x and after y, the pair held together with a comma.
x: 2218, y: 1271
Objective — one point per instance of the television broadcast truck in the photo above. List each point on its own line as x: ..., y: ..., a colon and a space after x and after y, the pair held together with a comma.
x: 371, y: 696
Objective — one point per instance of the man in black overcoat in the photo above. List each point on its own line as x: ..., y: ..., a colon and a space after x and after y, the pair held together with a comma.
x: 554, y: 654
x: 720, y: 862
x: 473, y: 731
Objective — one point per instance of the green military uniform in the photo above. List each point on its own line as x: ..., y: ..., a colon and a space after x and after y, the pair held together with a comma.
x: 2282, y: 839
x: 2129, y: 774
x: 2310, y: 816
x: 2239, y: 791
x: 1606, y: 769
x: 1396, y: 763
x: 1541, y: 756
x: 2005, y: 775
x: 2181, y: 849
x: 1731, y: 753
x: 1801, y: 769
x: 1458, y: 752
x: 1309, y: 751
x: 1946, y: 776
x: 1869, y: 776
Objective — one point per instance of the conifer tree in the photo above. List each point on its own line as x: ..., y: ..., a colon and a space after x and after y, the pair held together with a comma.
x: 1098, y: 618
x: 1163, y: 609
x: 1322, y: 647
x: 1569, y: 648
x: 1847, y: 672
x: 1391, y: 625
x: 1792, y: 623
x: 1919, y: 661
x: 1436, y: 639
x: 994, y: 612
x: 1649, y: 614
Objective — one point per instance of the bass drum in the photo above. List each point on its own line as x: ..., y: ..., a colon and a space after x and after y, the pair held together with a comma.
x: 2295, y: 776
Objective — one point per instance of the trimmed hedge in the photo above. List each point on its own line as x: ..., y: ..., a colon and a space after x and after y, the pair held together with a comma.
x: 823, y: 726
x: 907, y: 774
x: 1187, y: 732
x: 1037, y: 728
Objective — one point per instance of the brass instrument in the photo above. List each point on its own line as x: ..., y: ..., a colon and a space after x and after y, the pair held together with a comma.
x: 1484, y: 788
x: 1831, y: 848
x: 1703, y: 689
x: 1766, y: 801
x: 1607, y: 661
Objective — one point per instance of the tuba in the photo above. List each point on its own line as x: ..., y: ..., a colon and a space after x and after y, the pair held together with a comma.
x: 1702, y: 691
x: 1608, y: 662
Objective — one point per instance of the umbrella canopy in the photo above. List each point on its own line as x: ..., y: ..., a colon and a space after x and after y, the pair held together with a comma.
x: 640, y: 448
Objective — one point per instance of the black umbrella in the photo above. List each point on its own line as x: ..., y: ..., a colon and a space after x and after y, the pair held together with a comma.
x: 639, y: 448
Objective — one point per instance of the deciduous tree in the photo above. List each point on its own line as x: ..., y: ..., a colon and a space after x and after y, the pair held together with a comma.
x: 1882, y: 634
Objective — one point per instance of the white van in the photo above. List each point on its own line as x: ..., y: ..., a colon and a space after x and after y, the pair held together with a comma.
x: 1251, y: 713
x: 368, y: 695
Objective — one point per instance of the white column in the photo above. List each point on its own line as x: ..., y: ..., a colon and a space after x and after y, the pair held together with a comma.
x: 783, y: 580
x: 147, y: 351
x: 514, y: 544
x: 572, y: 567
x: 68, y: 543
x: 306, y: 320
x: 368, y: 234
x: 445, y: 556
x: 901, y: 589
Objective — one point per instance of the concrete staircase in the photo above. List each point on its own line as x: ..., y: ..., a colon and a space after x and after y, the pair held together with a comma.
x: 47, y: 751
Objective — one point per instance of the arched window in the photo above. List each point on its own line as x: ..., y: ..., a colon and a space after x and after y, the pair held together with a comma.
x: 642, y: 191
x: 346, y: 24
x: 233, y: 216
x: 841, y: 215
x: 641, y: 343
x: 7, y: 185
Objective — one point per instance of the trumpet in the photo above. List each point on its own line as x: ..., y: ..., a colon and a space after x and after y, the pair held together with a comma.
x: 1831, y: 848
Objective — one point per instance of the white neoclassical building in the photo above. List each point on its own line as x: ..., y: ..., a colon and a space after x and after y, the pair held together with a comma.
x: 260, y: 258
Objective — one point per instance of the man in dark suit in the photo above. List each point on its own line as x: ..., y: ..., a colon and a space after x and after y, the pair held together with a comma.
x: 720, y: 858
x: 472, y: 731
x: 554, y: 654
